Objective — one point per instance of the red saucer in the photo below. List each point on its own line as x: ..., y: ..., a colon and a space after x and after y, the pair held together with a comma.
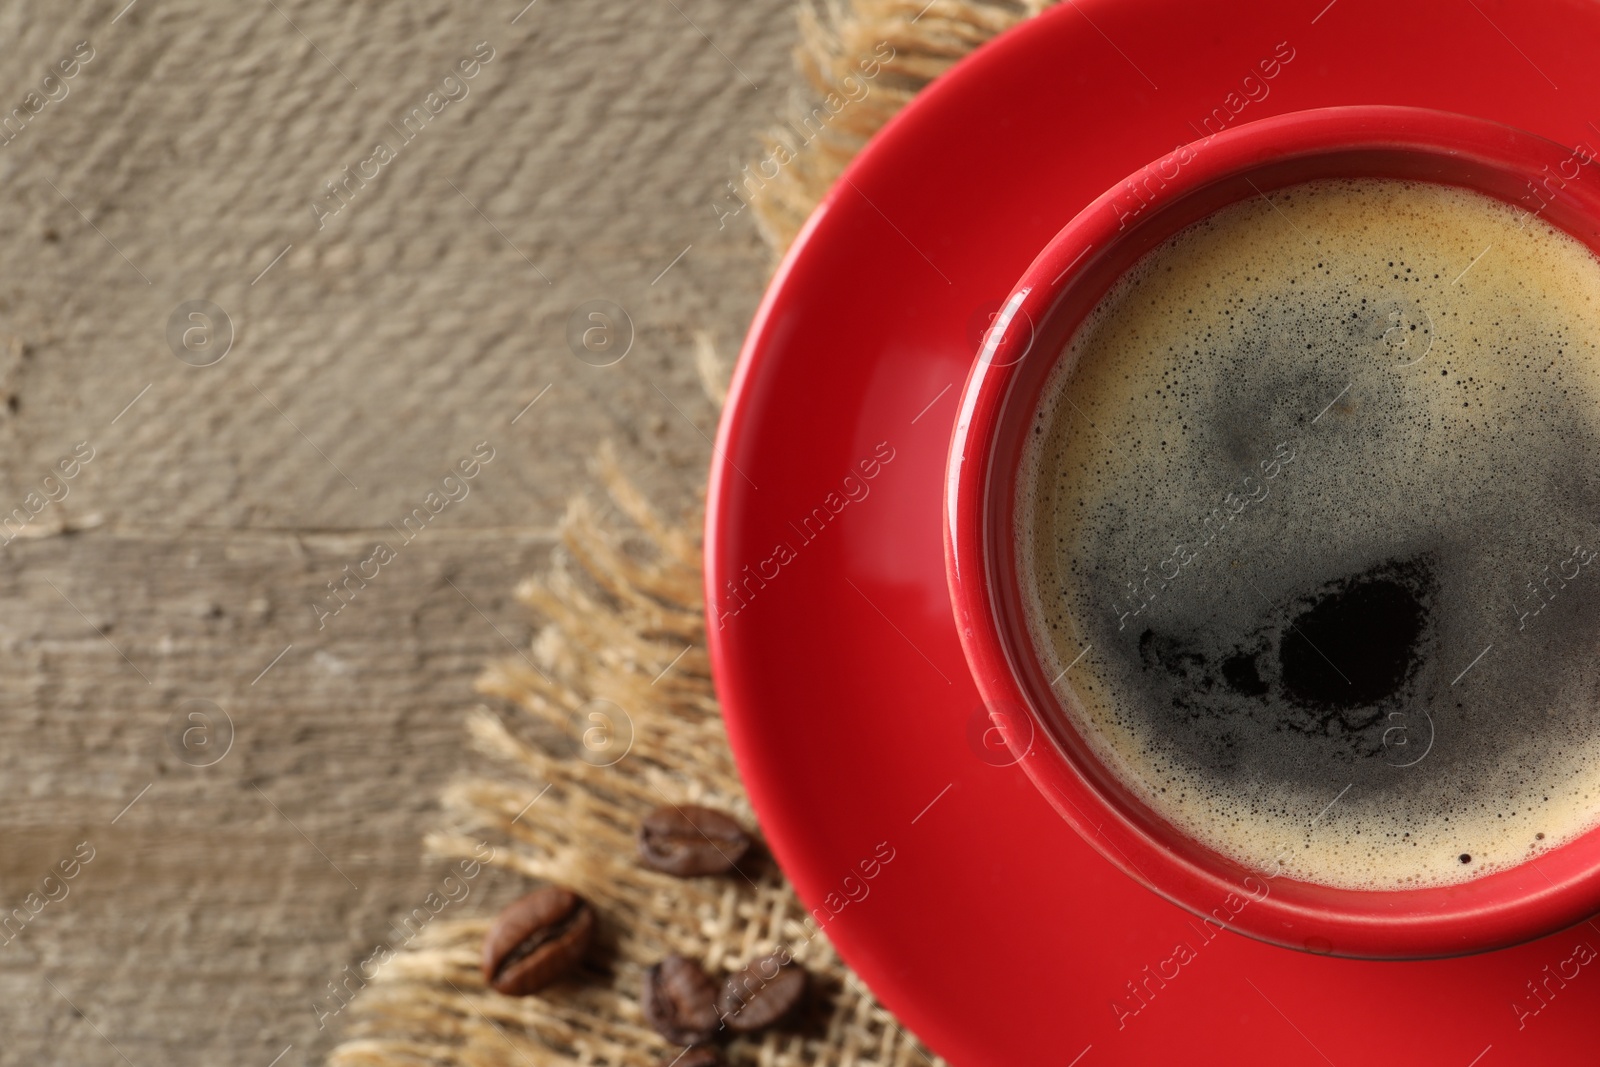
x: 978, y: 916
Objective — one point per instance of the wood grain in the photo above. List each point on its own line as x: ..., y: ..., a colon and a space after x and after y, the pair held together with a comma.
x: 367, y: 360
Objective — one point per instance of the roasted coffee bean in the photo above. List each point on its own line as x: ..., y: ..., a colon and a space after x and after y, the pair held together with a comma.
x: 689, y: 840
x: 695, y: 1057
x: 762, y: 994
x: 680, y: 1001
x: 536, y: 940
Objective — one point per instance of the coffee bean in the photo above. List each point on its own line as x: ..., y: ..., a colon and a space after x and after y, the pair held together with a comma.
x: 536, y: 940
x: 695, y: 1057
x: 680, y: 1001
x: 689, y: 840
x: 762, y: 994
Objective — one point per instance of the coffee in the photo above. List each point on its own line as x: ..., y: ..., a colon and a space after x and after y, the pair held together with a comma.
x: 1306, y: 530
x: 536, y: 940
x: 764, y: 993
x: 687, y: 840
x: 679, y: 1001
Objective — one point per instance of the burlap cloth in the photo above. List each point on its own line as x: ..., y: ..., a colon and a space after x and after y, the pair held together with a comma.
x: 613, y: 711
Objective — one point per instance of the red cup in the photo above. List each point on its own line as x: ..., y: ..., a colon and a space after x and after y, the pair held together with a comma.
x: 1059, y: 289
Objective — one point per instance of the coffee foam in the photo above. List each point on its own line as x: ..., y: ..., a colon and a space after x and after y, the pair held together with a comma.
x: 1293, y: 484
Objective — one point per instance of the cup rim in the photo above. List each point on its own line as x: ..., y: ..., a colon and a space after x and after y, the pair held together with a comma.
x: 1064, y: 282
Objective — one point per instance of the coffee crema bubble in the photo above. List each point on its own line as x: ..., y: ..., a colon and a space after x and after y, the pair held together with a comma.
x: 1317, y: 485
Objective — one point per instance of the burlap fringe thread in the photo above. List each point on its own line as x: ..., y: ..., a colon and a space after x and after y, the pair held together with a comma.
x: 622, y: 652
x: 836, y: 40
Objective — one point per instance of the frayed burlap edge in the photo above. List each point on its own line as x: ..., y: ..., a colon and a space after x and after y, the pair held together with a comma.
x: 863, y: 62
x: 612, y: 711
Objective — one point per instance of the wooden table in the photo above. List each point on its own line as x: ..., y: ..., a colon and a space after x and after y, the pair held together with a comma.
x: 373, y: 348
